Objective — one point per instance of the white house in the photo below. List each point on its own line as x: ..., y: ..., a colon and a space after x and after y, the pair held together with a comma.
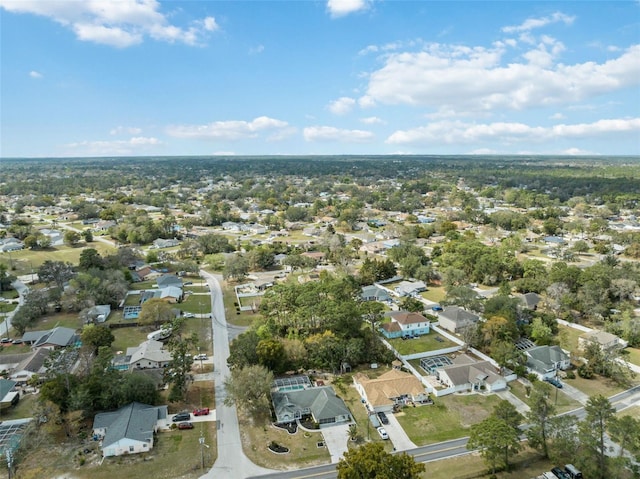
x: 150, y: 354
x: 545, y: 361
x: 405, y: 323
x: 465, y: 374
x: 130, y: 429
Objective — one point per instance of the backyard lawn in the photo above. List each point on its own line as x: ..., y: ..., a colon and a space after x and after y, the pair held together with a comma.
x: 450, y: 417
x: 235, y: 317
x: 421, y: 344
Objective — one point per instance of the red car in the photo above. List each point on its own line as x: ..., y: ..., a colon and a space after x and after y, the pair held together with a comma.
x: 185, y: 425
x: 201, y: 411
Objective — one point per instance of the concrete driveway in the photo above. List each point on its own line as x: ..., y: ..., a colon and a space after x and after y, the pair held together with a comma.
x: 397, y: 435
x: 336, y: 437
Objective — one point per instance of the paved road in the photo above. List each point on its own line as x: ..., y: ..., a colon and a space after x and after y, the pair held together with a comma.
x: 232, y: 462
x: 5, y: 326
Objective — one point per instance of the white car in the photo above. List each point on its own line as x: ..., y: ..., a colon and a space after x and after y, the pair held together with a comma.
x: 383, y: 433
x: 189, y: 315
x: 199, y: 357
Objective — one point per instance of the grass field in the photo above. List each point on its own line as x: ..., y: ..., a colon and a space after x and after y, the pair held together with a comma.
x: 434, y: 293
x: 450, y: 417
x: 242, y: 318
x: 562, y: 401
x: 421, y: 344
x: 24, y: 260
x: 568, y: 337
x: 596, y: 385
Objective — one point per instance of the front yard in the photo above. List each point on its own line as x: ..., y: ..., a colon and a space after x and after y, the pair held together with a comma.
x: 450, y: 417
x: 562, y: 401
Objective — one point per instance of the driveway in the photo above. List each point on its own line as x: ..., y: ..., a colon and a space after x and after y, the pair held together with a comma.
x: 397, y: 436
x: 522, y: 407
x: 336, y: 437
x: 574, y: 393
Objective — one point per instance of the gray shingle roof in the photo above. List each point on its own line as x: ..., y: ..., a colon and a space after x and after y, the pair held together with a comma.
x: 136, y: 421
x: 322, y: 402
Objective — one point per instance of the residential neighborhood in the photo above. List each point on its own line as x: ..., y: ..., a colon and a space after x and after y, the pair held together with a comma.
x: 314, y: 315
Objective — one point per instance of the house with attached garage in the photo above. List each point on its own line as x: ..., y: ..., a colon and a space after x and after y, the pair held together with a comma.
x: 130, y: 429
x: 392, y: 388
x: 321, y: 403
x: 606, y: 341
x: 150, y: 354
x: 466, y: 374
x: 455, y: 318
x: 545, y: 361
x: 405, y: 324
x: 56, y: 338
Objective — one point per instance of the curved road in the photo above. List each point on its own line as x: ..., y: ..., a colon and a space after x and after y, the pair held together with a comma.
x: 231, y: 462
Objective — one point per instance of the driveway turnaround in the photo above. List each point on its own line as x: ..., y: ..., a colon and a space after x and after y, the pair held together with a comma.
x: 336, y: 437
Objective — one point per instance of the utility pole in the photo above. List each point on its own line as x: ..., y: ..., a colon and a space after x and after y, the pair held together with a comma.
x: 202, y: 446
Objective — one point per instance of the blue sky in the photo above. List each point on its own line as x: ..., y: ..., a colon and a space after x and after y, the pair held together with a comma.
x: 147, y: 77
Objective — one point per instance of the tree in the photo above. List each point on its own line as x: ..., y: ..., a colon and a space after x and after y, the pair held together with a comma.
x: 539, y: 417
x: 87, y: 235
x: 71, y: 238
x: 371, y: 461
x: 155, y: 311
x: 248, y: 388
x: 564, y: 441
x: 411, y: 304
x: 242, y: 350
x: 592, y: 433
x: 90, y: 258
x: 496, y: 440
x: 271, y: 354
x: 56, y: 272
x: 625, y: 431
x: 179, y: 368
x: 236, y: 267
x: 96, y: 336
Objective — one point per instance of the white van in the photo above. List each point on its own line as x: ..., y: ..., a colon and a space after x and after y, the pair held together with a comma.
x: 573, y: 472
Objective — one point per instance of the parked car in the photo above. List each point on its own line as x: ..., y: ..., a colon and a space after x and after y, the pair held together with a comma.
x: 181, y: 416
x: 383, y: 433
x: 559, y: 473
x: 5, y: 340
x: 185, y: 425
x: 16, y: 341
x: 189, y: 315
x: 436, y: 308
x: 554, y: 382
x: 572, y: 471
x: 202, y: 411
x: 200, y: 356
x: 383, y: 418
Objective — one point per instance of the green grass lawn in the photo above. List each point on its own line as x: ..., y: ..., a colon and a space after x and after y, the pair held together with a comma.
x: 562, y: 401
x: 634, y: 355
x: 596, y: 385
x: 568, y: 337
x: 450, y: 417
x: 25, y: 259
x: 434, y: 293
x: 242, y: 318
x: 196, y: 303
x: 423, y: 343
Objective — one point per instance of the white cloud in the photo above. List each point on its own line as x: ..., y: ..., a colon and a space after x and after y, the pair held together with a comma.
x: 557, y: 116
x: 138, y: 144
x: 121, y: 23
x: 330, y: 133
x: 577, y: 152
x: 458, y: 132
x: 372, y: 120
x: 35, y: 74
x: 228, y: 130
x: 131, y: 130
x: 342, y: 105
x: 533, y: 23
x: 473, y: 79
x: 256, y: 50
x: 340, y: 8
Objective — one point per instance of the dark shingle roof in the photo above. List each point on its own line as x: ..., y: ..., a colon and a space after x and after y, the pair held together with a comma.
x: 136, y: 421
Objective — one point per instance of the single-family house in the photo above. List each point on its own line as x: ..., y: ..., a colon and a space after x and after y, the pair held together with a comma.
x: 321, y: 403
x: 545, y: 361
x: 169, y: 280
x: 405, y: 323
x: 9, y: 396
x: 392, y: 388
x: 171, y: 294
x: 530, y: 300
x: 58, y: 337
x: 606, y: 341
x: 455, y: 318
x: 410, y: 288
x: 130, y: 429
x: 150, y: 354
x: 161, y: 243
x: 11, y: 244
x: 466, y: 374
x: 374, y: 293
x: 33, y: 363
x: 314, y: 255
